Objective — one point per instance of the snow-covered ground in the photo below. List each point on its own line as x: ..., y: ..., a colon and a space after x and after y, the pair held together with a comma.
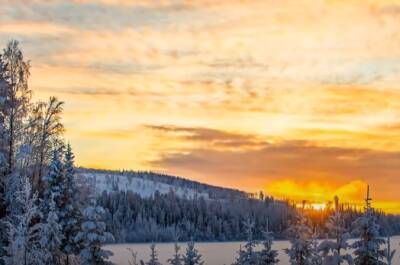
x: 219, y: 253
x: 110, y: 182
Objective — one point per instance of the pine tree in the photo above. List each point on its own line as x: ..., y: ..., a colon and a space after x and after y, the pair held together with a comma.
x: 332, y: 251
x: 71, y: 215
x: 23, y: 235
x: 300, y: 252
x: 176, y: 258
x: 92, y: 236
x: 367, y: 248
x: 153, y: 256
x: 267, y: 256
x: 247, y: 254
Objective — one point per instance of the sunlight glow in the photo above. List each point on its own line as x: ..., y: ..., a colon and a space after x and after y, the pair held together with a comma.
x: 318, y: 206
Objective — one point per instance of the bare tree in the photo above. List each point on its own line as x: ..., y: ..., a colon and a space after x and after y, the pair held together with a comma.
x: 46, y: 122
x: 16, y: 98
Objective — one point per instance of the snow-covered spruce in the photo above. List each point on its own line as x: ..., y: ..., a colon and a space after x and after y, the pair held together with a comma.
x: 333, y: 251
x: 300, y: 233
x: 92, y: 237
x: 54, y: 181
x: 52, y: 235
x: 247, y: 254
x: 153, y: 256
x: 367, y: 249
x: 177, y: 257
x: 70, y: 212
x: 192, y: 256
x: 268, y: 256
x: 315, y: 258
x: 24, y: 246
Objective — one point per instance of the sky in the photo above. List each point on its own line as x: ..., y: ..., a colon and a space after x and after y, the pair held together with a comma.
x: 298, y: 98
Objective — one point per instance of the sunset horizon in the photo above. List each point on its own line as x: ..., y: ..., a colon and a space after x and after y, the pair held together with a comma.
x: 291, y: 98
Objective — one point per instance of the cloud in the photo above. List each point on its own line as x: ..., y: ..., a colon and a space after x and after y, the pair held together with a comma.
x: 35, y: 28
x: 254, y: 91
x: 216, y: 138
x: 298, y: 161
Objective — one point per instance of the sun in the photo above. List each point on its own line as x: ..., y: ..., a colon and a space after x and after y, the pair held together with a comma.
x: 318, y: 206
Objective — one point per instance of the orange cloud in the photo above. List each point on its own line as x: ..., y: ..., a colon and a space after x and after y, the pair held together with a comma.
x: 317, y: 191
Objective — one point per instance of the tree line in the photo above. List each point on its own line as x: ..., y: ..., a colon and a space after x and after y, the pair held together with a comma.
x: 368, y: 248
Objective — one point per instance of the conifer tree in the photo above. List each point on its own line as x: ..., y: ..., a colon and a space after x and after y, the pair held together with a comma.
x: 300, y: 252
x: 192, y: 256
x: 315, y: 258
x: 52, y: 235
x: 176, y: 258
x: 71, y: 215
x: 24, y: 247
x: 248, y: 255
x: 367, y: 249
x: 93, y: 236
x: 54, y: 181
x: 267, y: 256
x: 153, y: 256
x: 333, y: 252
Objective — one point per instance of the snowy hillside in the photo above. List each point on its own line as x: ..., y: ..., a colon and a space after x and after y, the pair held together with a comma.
x: 147, y: 183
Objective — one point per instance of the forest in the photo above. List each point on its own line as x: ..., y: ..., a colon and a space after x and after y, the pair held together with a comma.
x: 47, y: 215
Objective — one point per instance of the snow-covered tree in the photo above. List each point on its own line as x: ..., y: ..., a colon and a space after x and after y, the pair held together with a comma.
x: 333, y: 251
x: 367, y: 248
x: 70, y: 213
x: 177, y: 257
x: 15, y: 99
x: 3, y: 168
x: 153, y: 256
x: 92, y: 237
x: 389, y: 253
x: 46, y: 127
x: 300, y: 233
x: 315, y: 258
x: 23, y: 235
x: 192, y: 256
x: 247, y: 255
x: 52, y: 236
x: 54, y: 181
x: 268, y: 256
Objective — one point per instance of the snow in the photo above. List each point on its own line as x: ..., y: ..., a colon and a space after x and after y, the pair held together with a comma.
x: 214, y: 253
x: 146, y: 188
